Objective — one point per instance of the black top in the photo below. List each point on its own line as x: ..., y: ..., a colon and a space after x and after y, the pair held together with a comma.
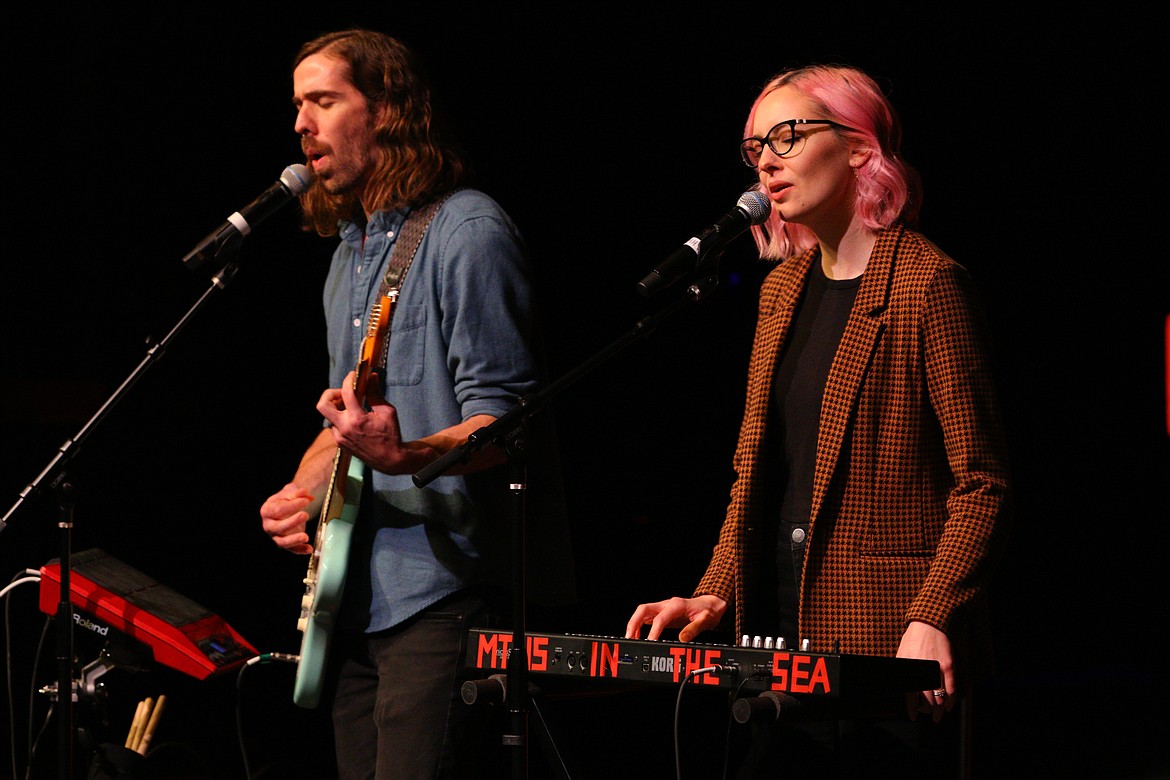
x: 801, y: 373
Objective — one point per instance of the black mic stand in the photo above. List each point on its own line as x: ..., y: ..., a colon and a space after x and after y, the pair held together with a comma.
x: 507, y: 431
x: 65, y: 724
x: 65, y: 489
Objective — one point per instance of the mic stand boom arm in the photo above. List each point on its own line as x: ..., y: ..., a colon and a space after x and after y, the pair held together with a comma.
x: 71, y: 446
x: 507, y: 431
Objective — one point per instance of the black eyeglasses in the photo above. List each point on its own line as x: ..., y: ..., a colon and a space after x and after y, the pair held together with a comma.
x: 782, y: 139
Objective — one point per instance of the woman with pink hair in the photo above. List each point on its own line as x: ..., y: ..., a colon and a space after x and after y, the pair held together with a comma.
x: 870, y: 503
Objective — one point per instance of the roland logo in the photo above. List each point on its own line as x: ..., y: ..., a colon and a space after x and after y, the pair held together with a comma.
x: 89, y: 625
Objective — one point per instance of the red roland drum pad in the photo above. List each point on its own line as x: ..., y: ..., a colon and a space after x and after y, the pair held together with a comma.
x: 107, y: 594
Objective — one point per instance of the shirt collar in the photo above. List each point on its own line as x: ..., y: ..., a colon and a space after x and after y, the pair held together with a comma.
x: 381, y: 223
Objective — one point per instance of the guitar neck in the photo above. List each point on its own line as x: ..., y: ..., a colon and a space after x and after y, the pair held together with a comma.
x: 334, y: 499
x: 372, y: 348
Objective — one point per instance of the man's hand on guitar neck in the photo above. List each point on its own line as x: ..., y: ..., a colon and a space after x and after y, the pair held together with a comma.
x: 375, y: 436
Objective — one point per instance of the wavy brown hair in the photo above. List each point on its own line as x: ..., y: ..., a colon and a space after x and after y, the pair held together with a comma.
x: 414, y: 161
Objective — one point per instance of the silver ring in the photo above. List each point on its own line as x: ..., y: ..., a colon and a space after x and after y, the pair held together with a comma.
x: 942, y: 692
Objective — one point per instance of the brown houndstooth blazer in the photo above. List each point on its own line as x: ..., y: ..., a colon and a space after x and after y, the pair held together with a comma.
x: 910, y: 495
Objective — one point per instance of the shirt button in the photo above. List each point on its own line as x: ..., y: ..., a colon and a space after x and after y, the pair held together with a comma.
x: 389, y: 234
x: 797, y: 535
x: 357, y: 323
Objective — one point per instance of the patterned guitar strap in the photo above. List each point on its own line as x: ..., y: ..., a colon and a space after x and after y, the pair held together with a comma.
x: 402, y: 255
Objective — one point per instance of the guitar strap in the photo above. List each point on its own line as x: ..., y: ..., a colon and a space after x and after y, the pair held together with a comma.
x: 404, y: 250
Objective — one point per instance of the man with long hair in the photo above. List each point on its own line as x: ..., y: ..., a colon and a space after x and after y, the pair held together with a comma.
x: 427, y: 563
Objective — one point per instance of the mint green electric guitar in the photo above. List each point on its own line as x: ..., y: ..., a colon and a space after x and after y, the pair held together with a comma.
x: 325, y: 580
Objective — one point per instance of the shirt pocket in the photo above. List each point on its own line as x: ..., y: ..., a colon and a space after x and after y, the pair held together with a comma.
x: 406, y: 350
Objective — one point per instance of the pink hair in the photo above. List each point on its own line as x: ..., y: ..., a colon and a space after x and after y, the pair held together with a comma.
x: 888, y: 189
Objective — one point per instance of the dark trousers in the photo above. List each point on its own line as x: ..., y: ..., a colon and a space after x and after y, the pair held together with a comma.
x: 397, y: 709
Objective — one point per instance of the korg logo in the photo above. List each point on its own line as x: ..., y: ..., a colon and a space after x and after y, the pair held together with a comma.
x: 662, y: 665
x: 89, y: 625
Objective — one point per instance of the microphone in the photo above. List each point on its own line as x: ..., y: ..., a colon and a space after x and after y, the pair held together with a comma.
x: 293, y: 181
x: 752, y: 208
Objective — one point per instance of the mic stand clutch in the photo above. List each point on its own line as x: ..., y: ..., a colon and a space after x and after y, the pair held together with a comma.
x: 507, y: 431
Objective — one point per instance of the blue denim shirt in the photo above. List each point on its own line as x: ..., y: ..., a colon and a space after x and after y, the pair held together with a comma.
x: 460, y: 345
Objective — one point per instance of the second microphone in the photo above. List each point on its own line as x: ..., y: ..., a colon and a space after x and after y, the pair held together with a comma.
x: 752, y: 208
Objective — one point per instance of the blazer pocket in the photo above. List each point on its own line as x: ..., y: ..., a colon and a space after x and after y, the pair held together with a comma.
x: 406, y: 350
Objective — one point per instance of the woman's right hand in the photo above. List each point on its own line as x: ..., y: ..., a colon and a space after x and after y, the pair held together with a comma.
x: 693, y: 615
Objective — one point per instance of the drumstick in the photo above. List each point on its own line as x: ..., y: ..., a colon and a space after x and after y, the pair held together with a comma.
x: 148, y: 732
x: 135, y: 725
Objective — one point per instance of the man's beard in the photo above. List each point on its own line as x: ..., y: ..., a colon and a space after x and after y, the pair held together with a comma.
x: 340, y: 179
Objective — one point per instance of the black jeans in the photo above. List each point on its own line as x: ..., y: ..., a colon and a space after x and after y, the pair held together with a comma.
x: 397, y: 709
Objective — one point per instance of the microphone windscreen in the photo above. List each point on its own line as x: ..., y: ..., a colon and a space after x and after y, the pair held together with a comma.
x: 296, y: 177
x: 756, y: 206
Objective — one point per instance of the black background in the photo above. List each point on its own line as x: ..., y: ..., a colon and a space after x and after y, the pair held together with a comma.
x: 610, y: 137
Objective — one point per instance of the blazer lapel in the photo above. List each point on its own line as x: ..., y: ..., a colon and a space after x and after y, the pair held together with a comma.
x: 852, y: 360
